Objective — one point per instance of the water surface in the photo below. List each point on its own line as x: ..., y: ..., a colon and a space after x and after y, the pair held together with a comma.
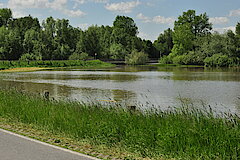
x: 158, y: 87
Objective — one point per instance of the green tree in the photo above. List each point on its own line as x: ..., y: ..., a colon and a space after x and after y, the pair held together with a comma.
x: 5, y: 16
x: 199, y: 24
x: 10, y: 44
x: 117, y: 51
x: 30, y: 38
x: 238, y: 29
x: 124, y: 31
x: 164, y: 43
x: 48, y: 38
x: 136, y: 58
x: 182, y: 39
x: 25, y: 23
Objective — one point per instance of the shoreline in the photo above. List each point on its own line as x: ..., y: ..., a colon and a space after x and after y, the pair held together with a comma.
x: 25, y: 69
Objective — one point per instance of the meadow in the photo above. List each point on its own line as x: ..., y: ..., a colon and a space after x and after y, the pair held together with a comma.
x: 183, y: 133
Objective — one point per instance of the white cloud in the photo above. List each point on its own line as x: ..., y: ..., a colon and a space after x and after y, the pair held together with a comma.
x: 72, y: 13
x: 163, y: 20
x: 156, y: 19
x: 123, y: 7
x: 57, y: 4
x: 27, y: 3
x: 100, y: 1
x: 234, y: 13
x: 144, y: 19
x: 85, y: 1
x: 224, y: 29
x: 143, y: 35
x: 60, y: 5
x: 18, y: 14
x: 1, y: 5
x: 84, y: 26
x: 218, y: 20
x: 80, y: 1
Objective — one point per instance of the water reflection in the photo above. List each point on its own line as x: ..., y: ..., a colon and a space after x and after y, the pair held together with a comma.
x: 151, y: 85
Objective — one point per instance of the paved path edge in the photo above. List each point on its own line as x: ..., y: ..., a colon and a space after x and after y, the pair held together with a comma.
x: 47, y: 144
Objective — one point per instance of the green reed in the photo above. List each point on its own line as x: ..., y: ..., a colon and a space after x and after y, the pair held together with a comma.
x: 185, y: 133
x: 53, y: 63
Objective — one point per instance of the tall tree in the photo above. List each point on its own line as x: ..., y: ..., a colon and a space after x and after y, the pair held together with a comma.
x: 199, y: 24
x: 182, y: 39
x: 124, y: 30
x: 25, y: 23
x: 164, y: 43
x: 238, y: 29
x: 5, y: 16
x: 10, y: 45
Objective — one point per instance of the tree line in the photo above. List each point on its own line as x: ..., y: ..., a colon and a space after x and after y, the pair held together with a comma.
x: 190, y: 42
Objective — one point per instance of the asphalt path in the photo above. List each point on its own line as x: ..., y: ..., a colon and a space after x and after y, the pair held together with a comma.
x: 17, y: 147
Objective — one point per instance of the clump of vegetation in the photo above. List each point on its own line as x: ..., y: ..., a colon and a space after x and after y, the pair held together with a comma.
x: 79, y: 56
x: 30, y: 57
x: 185, y: 133
x: 192, y: 43
x: 63, y: 63
x: 136, y: 58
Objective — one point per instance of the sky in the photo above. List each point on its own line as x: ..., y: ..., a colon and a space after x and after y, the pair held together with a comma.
x: 151, y: 16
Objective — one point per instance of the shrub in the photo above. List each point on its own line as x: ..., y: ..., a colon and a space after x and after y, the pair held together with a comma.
x: 217, y: 60
x: 78, y: 56
x: 136, y: 58
x: 165, y: 60
x: 30, y: 57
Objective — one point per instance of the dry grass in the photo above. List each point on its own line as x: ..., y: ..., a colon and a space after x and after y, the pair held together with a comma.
x: 24, y: 69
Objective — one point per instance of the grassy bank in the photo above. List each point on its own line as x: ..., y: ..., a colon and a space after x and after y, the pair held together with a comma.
x: 64, y: 63
x: 185, y: 133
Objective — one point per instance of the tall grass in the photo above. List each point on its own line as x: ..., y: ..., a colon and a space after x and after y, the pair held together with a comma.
x: 186, y: 133
x: 53, y: 63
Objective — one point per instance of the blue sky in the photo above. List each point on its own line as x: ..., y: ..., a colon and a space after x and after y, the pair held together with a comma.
x: 151, y: 16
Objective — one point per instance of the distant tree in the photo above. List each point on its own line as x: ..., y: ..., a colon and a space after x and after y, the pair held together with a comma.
x: 48, y: 38
x: 136, y: 58
x: 25, y: 23
x: 124, y: 31
x: 117, y: 51
x: 5, y: 16
x: 182, y: 39
x: 164, y: 43
x: 10, y: 44
x: 30, y: 38
x: 238, y: 29
x: 78, y: 56
x: 199, y: 24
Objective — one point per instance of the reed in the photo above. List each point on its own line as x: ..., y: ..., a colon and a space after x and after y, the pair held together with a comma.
x: 185, y: 133
x: 54, y: 63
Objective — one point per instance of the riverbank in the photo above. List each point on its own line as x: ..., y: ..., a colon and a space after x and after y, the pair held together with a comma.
x: 187, y: 133
x: 21, y: 66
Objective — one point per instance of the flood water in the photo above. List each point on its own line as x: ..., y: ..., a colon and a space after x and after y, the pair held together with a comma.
x: 148, y: 86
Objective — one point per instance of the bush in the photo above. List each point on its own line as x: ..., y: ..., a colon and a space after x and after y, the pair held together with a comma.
x: 30, y: 57
x: 165, y: 60
x: 188, y: 59
x: 136, y: 58
x: 78, y: 56
x: 217, y: 60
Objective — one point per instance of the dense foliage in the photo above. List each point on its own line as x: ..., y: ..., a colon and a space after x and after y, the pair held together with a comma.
x: 194, y: 43
x: 54, y: 63
x: 190, y: 42
x: 25, y: 39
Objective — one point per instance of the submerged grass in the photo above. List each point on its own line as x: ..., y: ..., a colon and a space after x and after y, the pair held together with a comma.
x: 54, y: 63
x: 186, y: 133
